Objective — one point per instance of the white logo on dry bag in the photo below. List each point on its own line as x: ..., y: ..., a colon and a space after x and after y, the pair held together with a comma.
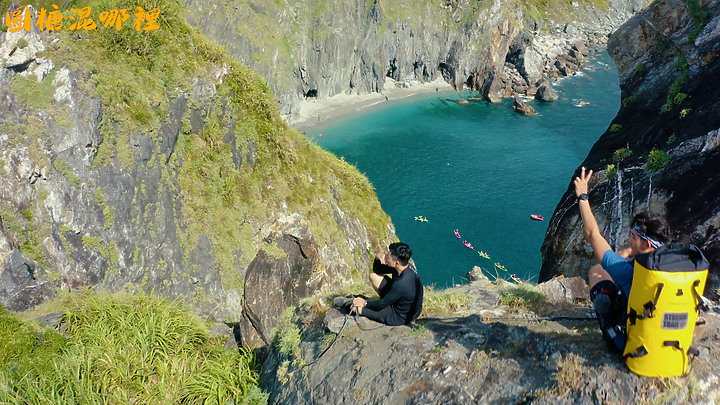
x: 674, y: 320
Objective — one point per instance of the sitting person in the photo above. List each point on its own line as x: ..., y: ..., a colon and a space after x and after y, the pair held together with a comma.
x: 611, y: 278
x: 400, y: 296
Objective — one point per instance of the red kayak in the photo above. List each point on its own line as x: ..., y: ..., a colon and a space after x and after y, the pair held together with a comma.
x: 457, y: 233
x: 537, y: 217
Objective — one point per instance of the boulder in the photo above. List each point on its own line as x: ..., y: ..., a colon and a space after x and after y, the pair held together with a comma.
x: 532, y: 67
x: 475, y: 274
x: 522, y: 107
x: 579, y: 47
x: 278, y: 278
x: 51, y: 320
x: 334, y: 320
x: 562, y: 67
x: 579, y: 57
x: 561, y: 290
x: 546, y: 93
x: 491, y: 87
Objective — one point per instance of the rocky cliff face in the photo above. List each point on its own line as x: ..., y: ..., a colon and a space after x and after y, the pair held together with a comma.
x: 481, y: 353
x: 166, y: 168
x: 661, y: 151
x: 320, y: 49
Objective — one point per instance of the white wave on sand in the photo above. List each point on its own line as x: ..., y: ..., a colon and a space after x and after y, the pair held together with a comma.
x: 313, y: 111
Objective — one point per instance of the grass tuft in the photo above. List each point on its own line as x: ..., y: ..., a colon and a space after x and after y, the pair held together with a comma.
x: 524, y: 296
x: 288, y: 335
x: 569, y: 373
x: 122, y: 349
x: 442, y: 302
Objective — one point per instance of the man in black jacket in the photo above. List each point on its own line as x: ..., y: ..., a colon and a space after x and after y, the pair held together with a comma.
x: 400, y: 296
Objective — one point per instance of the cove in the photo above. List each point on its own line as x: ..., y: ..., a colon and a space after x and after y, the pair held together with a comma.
x: 480, y: 168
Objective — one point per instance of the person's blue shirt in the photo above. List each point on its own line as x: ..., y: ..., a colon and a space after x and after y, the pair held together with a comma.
x: 620, y: 269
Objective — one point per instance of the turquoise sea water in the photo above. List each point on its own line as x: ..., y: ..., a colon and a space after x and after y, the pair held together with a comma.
x: 480, y: 168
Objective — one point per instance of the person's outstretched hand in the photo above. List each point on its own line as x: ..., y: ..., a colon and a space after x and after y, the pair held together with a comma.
x: 581, y: 183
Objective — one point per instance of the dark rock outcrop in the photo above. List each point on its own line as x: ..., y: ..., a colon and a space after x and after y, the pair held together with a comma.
x: 279, y: 277
x: 661, y: 151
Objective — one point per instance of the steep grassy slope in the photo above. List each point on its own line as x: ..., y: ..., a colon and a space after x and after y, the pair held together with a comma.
x: 168, y: 163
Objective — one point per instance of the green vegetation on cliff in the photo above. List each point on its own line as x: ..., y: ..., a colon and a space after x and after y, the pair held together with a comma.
x: 226, y: 187
x: 122, y: 349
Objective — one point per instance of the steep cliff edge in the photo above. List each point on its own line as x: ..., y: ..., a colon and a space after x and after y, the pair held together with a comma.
x: 661, y: 151
x: 149, y: 160
x: 320, y: 49
x: 485, y: 347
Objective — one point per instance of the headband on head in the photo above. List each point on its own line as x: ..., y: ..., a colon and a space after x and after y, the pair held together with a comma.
x: 655, y: 244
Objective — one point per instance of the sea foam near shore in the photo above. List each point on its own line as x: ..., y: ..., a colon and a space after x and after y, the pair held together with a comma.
x: 312, y: 111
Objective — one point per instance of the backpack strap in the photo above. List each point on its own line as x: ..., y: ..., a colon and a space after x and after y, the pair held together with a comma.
x: 639, y: 352
x: 649, y: 307
x: 702, y: 305
x: 673, y: 343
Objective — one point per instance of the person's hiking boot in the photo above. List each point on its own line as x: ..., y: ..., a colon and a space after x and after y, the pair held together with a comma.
x: 342, y: 302
x: 607, y: 305
x: 602, y: 303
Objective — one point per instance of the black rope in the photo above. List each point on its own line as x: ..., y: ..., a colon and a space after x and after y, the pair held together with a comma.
x: 567, y: 318
x: 363, y: 329
x: 331, y: 343
x: 544, y: 318
x: 347, y: 316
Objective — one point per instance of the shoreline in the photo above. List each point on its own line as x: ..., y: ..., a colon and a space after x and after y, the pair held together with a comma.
x: 313, y: 112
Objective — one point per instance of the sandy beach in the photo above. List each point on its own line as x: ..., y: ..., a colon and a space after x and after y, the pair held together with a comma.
x: 312, y: 112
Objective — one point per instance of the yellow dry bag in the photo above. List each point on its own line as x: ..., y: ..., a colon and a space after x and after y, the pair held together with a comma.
x: 665, y: 299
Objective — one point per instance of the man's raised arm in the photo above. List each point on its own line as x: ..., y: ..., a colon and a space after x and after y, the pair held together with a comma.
x: 590, y: 226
